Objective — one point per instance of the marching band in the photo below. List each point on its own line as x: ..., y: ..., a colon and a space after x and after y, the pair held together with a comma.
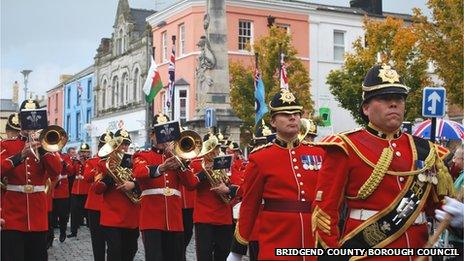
x: 367, y: 188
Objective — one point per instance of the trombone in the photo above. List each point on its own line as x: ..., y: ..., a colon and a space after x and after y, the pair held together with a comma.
x: 52, y: 139
x: 187, y: 147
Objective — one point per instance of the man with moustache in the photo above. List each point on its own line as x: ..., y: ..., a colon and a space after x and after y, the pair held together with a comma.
x: 388, y: 179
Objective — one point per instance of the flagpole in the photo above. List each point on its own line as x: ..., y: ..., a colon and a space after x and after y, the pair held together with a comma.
x: 256, y: 69
x: 173, y: 86
x: 280, y: 65
x: 149, y: 108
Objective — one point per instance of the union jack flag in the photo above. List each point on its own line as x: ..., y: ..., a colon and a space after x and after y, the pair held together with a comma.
x: 171, y: 71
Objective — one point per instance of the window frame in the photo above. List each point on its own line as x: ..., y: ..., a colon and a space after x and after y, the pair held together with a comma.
x: 177, y: 100
x: 181, y: 33
x: 338, y: 46
x: 164, y: 46
x: 242, y: 45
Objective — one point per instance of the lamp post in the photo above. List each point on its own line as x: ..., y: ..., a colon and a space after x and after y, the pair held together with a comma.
x: 26, y: 77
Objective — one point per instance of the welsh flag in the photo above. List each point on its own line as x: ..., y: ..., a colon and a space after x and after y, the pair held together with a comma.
x: 153, y: 82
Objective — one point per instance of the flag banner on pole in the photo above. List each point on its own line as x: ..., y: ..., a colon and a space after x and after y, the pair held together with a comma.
x: 171, y: 71
x: 283, y: 73
x: 153, y: 82
x: 260, y: 102
x: 79, y: 88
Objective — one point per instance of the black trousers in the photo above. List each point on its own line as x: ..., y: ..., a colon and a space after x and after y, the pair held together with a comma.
x: 24, y: 246
x: 253, y: 248
x: 61, y: 213
x: 77, y: 211
x: 96, y: 235
x: 187, y: 218
x: 213, y: 241
x: 163, y: 245
x: 122, y: 243
x: 50, y: 232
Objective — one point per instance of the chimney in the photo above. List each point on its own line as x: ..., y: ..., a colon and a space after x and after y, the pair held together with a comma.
x: 65, y: 77
x: 370, y: 6
x: 15, y: 92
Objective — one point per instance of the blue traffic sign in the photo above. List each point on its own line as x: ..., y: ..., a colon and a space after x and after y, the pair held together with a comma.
x: 433, y: 102
x: 210, y: 117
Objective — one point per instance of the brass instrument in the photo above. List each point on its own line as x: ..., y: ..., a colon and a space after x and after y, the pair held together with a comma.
x: 52, y: 139
x: 215, y: 176
x: 187, y: 147
x: 48, y: 186
x: 306, y: 127
x: 118, y: 173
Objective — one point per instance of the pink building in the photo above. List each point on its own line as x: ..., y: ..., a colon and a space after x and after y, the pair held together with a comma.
x: 246, y: 21
x: 55, y: 103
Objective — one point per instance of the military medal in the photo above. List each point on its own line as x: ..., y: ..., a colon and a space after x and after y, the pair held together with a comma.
x: 305, y: 166
x: 422, y: 177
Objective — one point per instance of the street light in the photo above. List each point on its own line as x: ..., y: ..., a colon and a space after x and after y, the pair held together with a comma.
x: 26, y: 76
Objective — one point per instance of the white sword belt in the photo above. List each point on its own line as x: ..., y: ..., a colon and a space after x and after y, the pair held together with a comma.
x: 161, y: 191
x: 364, y: 214
x: 25, y: 188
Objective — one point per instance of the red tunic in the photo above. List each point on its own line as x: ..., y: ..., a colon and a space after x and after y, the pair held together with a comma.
x: 166, y: 208
x: 61, y: 189
x: 26, y: 211
x: 279, y: 174
x: 117, y: 210
x: 209, y: 208
x: 344, y: 173
x: 188, y: 197
x: 91, y: 174
x: 80, y: 186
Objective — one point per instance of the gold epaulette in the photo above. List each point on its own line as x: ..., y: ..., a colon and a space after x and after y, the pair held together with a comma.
x: 333, y: 140
x: 261, y: 147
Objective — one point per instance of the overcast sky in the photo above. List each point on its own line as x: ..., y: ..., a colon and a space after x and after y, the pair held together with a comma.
x: 54, y: 37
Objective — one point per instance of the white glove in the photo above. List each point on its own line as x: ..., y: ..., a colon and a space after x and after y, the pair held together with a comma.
x: 234, y: 257
x: 455, y: 209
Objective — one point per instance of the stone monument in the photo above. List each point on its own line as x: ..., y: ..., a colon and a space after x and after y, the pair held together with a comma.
x: 212, y: 74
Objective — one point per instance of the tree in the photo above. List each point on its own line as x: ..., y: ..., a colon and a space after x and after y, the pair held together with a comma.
x: 441, y: 41
x: 397, y: 44
x: 242, y: 77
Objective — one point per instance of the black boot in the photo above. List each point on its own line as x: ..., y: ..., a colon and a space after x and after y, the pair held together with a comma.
x: 72, y: 235
x: 62, y: 237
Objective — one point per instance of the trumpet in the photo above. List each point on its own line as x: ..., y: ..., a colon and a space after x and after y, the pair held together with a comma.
x: 52, y: 139
x: 187, y: 147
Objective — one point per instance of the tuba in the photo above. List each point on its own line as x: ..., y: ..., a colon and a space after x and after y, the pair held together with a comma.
x: 118, y: 173
x: 214, y: 176
x: 187, y: 147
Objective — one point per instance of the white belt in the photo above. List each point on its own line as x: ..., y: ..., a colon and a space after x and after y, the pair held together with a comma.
x: 79, y: 177
x: 364, y: 214
x: 25, y: 188
x: 60, y: 177
x: 161, y: 191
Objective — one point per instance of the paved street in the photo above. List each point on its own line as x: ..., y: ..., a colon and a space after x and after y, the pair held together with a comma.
x: 80, y: 248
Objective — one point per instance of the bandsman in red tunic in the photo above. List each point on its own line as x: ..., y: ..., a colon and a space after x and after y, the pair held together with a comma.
x: 389, y: 180
x: 283, y: 174
x: 24, y: 208
x: 94, y: 201
x: 79, y: 191
x: 212, y: 216
x: 119, y: 214
x: 61, y: 195
x: 159, y: 175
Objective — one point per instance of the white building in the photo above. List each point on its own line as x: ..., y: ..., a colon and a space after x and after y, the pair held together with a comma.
x: 333, y: 30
